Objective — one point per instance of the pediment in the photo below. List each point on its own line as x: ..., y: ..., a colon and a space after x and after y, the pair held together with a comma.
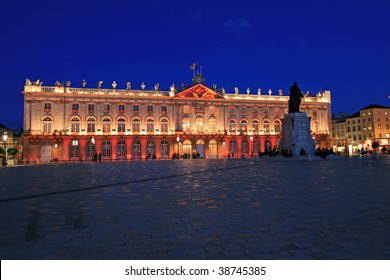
x: 199, y: 91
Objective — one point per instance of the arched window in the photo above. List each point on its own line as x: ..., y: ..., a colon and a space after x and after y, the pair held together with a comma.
x: 106, y: 125
x: 75, y: 125
x: 150, y: 148
x: 186, y: 125
x: 136, y: 149
x: 136, y: 125
x: 233, y: 147
x: 74, y: 149
x: 121, y: 148
x: 266, y: 125
x: 244, y: 147
x: 255, y: 126
x: 90, y: 148
x: 243, y: 125
x: 213, y: 149
x: 278, y: 126
x: 187, y: 147
x: 121, y: 125
x: 106, y: 149
x: 199, y: 125
x: 47, y: 125
x: 150, y: 125
x: 232, y: 126
x: 90, y: 125
x: 256, y: 146
x: 164, y: 125
x: 212, y: 125
x: 164, y: 149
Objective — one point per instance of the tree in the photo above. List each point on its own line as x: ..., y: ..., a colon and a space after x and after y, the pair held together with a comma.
x: 2, y: 151
x: 12, y: 152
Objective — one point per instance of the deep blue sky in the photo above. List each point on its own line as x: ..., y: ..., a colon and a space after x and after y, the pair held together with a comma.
x: 343, y: 46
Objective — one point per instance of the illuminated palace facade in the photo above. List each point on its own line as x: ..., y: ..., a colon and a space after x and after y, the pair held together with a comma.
x: 67, y: 123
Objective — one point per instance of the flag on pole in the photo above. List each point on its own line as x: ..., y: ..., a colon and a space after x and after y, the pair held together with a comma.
x: 192, y: 66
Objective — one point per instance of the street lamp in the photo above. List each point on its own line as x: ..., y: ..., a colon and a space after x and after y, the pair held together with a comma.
x: 178, y: 143
x: 251, y: 138
x: 5, y: 137
x: 92, y: 148
x: 387, y: 136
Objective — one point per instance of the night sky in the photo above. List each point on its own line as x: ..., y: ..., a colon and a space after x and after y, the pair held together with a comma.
x: 342, y: 46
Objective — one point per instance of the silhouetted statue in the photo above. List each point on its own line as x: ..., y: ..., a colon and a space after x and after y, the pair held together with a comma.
x: 295, y: 99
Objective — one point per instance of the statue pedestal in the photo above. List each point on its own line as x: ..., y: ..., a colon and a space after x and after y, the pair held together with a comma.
x: 296, y: 134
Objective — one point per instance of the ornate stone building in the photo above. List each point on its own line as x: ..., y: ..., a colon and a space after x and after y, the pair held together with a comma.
x: 66, y: 123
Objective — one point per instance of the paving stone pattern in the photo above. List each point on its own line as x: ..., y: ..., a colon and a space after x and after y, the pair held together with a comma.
x: 197, y: 209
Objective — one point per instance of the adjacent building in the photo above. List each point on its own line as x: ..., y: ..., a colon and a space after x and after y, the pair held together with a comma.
x: 370, y: 124
x: 66, y: 123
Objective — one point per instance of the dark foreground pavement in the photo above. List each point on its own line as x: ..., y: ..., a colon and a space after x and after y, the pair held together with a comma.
x: 197, y: 209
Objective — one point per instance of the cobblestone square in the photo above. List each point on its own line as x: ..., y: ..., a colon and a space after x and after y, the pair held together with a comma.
x: 275, y: 208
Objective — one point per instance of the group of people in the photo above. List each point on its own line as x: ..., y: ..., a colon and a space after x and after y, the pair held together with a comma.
x: 97, y: 157
x: 186, y: 156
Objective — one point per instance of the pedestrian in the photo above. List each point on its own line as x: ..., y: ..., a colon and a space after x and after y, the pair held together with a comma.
x: 100, y: 157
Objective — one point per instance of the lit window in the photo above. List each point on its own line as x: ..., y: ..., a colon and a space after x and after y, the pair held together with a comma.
x: 121, y: 109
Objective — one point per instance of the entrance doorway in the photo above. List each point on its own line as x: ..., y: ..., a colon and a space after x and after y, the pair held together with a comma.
x: 46, y: 152
x: 213, y: 149
x: 200, y: 148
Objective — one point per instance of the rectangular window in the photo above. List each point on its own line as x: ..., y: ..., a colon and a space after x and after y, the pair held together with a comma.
x: 254, y: 111
x: 163, y: 110
x: 47, y: 107
x: 47, y: 127
x: 136, y: 127
x: 91, y: 127
x: 106, y: 108
x: 91, y: 108
x: 266, y: 112
x: 150, y: 109
x: 150, y: 127
x: 243, y: 111
x: 164, y: 127
x: 136, y: 109
x: 121, y: 127
x: 231, y: 110
x: 75, y: 107
x: 121, y: 109
x: 75, y: 127
x: 106, y: 127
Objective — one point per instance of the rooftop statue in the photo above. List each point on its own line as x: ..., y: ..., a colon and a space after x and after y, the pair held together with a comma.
x: 296, y: 97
